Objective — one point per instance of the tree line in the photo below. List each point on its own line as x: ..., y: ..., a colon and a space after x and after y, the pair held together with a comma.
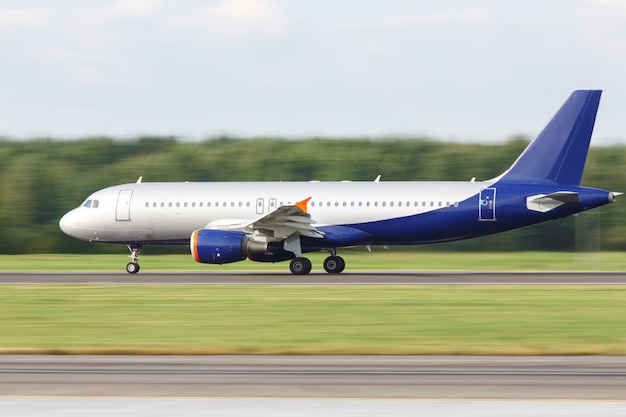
x: 44, y: 178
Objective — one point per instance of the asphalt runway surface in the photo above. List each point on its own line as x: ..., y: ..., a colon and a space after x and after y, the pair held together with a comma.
x: 417, y: 377
x: 347, y: 278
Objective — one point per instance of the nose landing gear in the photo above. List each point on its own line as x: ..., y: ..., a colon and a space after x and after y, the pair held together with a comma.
x: 133, y: 266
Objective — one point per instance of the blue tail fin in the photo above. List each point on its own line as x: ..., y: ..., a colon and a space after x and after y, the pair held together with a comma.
x: 558, y: 154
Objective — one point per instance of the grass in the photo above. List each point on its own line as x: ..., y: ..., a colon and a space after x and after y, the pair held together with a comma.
x: 179, y: 319
x: 356, y: 259
x: 313, y: 320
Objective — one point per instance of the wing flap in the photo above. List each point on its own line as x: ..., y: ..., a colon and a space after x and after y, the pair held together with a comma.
x: 285, y: 221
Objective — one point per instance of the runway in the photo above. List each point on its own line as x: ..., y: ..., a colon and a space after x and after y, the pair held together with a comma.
x: 415, y: 377
x: 313, y: 385
x: 348, y: 278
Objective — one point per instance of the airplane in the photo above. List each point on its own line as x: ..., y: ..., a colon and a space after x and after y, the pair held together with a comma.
x: 280, y: 221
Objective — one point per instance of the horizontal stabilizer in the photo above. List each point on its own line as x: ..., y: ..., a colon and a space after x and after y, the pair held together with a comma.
x: 546, y: 202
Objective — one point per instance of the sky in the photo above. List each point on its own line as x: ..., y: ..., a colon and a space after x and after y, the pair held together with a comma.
x: 474, y: 71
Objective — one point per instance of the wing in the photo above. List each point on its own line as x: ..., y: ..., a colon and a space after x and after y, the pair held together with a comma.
x: 291, y: 220
x: 285, y: 221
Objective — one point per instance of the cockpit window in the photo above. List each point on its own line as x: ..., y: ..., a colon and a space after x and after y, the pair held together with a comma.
x: 91, y: 203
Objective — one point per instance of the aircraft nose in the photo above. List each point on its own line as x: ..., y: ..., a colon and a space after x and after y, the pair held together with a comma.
x: 68, y: 223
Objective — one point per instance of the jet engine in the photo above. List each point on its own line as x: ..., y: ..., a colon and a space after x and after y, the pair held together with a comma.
x: 211, y: 246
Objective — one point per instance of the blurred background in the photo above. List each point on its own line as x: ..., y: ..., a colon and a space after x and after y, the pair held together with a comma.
x: 44, y: 178
x: 99, y: 93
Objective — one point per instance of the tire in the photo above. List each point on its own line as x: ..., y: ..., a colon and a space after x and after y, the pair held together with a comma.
x: 334, y: 264
x: 300, y: 266
x: 132, y: 267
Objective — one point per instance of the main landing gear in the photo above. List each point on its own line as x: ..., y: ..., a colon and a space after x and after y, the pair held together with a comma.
x: 333, y: 265
x: 133, y: 266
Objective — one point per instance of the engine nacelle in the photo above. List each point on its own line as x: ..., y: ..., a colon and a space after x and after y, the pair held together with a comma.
x: 274, y: 252
x: 212, y: 246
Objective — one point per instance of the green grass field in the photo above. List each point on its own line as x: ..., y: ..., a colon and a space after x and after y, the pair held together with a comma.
x: 356, y: 259
x: 312, y: 320
x: 179, y: 319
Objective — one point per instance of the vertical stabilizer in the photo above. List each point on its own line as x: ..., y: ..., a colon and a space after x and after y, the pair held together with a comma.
x: 558, y: 154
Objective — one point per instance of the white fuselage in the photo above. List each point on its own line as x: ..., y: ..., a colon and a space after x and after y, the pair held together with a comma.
x: 167, y: 212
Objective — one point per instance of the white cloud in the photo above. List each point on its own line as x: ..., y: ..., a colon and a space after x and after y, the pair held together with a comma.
x: 11, y: 19
x: 138, y: 7
x: 471, y: 16
x: 106, y: 42
x: 230, y: 21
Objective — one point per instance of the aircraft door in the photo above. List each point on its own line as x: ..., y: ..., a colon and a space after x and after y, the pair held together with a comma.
x: 260, y: 205
x: 271, y: 205
x: 122, y: 210
x: 487, y: 205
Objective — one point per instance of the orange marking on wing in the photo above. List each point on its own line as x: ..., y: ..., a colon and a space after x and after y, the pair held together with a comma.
x: 303, y: 204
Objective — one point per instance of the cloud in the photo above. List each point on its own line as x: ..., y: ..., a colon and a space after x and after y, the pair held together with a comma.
x: 137, y: 7
x: 470, y: 16
x: 11, y: 19
x: 231, y: 21
x: 110, y: 42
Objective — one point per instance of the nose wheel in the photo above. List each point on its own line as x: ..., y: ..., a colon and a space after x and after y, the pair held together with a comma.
x: 133, y: 266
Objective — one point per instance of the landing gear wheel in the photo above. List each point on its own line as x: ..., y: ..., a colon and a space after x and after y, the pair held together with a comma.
x: 300, y: 266
x: 132, y: 267
x: 334, y: 264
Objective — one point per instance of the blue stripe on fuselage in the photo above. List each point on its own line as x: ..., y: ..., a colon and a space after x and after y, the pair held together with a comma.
x: 462, y: 222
